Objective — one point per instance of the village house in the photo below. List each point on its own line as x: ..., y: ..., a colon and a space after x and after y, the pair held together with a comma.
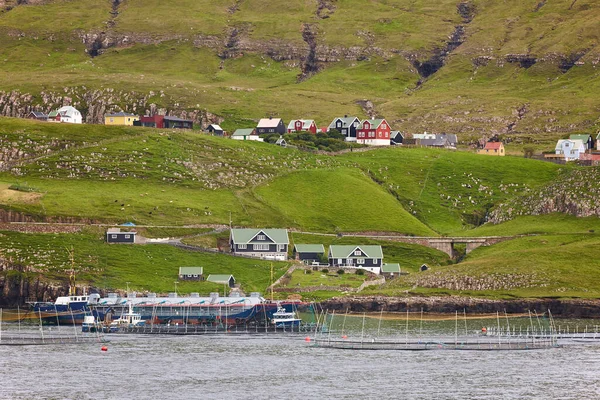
x: 347, y: 126
x: 120, y: 118
x: 222, y: 279
x: 302, y: 125
x: 271, y: 244
x: 270, y: 125
x: 390, y: 271
x: 215, y: 130
x: 396, y: 137
x: 569, y: 150
x: 369, y: 257
x: 444, y: 141
x: 191, y: 273
x: 309, y: 253
x: 492, y: 149
x: 424, y: 135
x: 164, y: 121
x: 246, y: 134
x: 587, y: 140
x: 374, y: 132
x: 66, y: 114
x: 38, y: 115
x: 114, y: 235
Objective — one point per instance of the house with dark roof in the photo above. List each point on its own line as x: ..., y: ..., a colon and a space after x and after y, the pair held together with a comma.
x: 270, y: 125
x: 347, y: 126
x: 309, y: 253
x: 191, y: 273
x: 164, y: 121
x: 369, y: 257
x: 222, y: 279
x: 246, y: 134
x: 374, y: 132
x: 396, y: 137
x: 215, y: 130
x: 38, y: 115
x: 492, y: 149
x: 114, y: 235
x: 302, y: 125
x: 270, y: 244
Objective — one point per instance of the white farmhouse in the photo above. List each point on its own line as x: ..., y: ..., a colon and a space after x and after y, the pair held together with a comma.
x: 570, y: 149
x: 66, y: 114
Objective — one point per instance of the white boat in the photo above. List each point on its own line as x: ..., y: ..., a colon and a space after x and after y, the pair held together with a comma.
x: 283, y: 318
x: 127, y: 320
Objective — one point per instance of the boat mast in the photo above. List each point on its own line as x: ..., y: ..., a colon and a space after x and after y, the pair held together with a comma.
x: 272, y: 283
x: 72, y: 287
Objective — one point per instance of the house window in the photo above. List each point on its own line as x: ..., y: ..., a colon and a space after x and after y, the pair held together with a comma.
x: 271, y: 130
x: 261, y: 247
x: 338, y: 124
x: 113, y: 236
x: 242, y: 247
x: 280, y: 247
x: 380, y: 134
x: 357, y: 252
x: 260, y: 237
x: 374, y: 261
x: 360, y: 261
x: 112, y: 120
x: 383, y: 126
x: 339, y: 261
x: 127, y: 236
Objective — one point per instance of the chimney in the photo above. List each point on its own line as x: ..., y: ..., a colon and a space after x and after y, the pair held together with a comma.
x: 345, y: 115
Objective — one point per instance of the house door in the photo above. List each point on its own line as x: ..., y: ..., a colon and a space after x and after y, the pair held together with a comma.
x: 349, y: 262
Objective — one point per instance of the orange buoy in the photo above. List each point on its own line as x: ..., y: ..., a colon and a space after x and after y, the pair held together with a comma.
x: 344, y: 337
x: 484, y: 329
x: 307, y: 339
x: 104, y: 348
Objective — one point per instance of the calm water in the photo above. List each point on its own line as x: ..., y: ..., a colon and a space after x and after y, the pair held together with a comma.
x: 285, y: 366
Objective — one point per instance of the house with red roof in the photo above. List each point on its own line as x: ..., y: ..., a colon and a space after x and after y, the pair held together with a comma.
x: 492, y: 149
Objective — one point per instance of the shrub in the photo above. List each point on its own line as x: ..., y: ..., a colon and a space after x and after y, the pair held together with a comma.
x: 340, y: 272
x: 360, y: 272
x: 325, y: 270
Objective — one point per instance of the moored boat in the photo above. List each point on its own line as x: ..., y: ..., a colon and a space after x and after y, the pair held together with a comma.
x: 283, y: 318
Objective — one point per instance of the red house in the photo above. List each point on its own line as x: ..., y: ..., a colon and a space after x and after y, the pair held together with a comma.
x: 302, y: 125
x: 164, y: 121
x: 374, y: 132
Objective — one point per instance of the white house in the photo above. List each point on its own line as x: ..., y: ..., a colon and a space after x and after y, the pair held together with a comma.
x: 246, y: 134
x: 570, y: 149
x: 66, y: 114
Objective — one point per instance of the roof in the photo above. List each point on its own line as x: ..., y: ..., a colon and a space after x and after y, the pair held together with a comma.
x: 121, y: 114
x: 190, y: 270
x: 245, y: 235
x: 113, y: 231
x: 309, y: 248
x: 346, y: 121
x: 393, y: 134
x: 281, y: 140
x: 347, y: 251
x: 436, y: 142
x: 224, y: 278
x: 306, y: 123
x: 389, y: 268
x: 423, y: 136
x: 374, y: 122
x: 243, y: 132
x: 68, y: 111
x: 268, y: 123
x: 176, y: 119
x: 493, y: 145
x: 576, y: 143
x: 53, y: 113
x: 583, y: 137
x: 39, y: 114
x: 215, y: 127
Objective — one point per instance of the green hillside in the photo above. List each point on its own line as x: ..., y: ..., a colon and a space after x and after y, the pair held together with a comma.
x: 476, y: 67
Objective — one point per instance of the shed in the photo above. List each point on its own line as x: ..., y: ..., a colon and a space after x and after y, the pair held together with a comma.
x: 390, y: 270
x: 191, y: 273
x: 215, y: 130
x: 246, y: 134
x: 281, y: 142
x: 424, y: 267
x: 40, y: 116
x: 309, y: 253
x: 222, y: 279
x: 114, y: 235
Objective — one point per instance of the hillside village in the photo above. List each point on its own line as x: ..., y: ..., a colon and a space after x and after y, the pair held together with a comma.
x: 583, y: 148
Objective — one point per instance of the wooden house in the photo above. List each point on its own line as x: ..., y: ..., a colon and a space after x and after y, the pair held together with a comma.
x: 587, y: 140
x: 120, y: 118
x: 309, y: 253
x: 38, y: 115
x: 114, y: 235
x: 271, y: 244
x: 191, y: 273
x: 164, y: 121
x: 246, y: 134
x: 270, y: 125
x: 215, y: 130
x: 391, y: 270
x: 396, y: 137
x: 66, y: 114
x: 569, y: 149
x: 492, y: 149
x: 346, y: 125
x: 222, y: 279
x: 369, y: 257
x: 302, y: 125
x: 374, y: 132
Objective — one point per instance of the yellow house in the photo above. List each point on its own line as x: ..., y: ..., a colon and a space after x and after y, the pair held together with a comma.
x: 120, y: 119
x: 492, y: 149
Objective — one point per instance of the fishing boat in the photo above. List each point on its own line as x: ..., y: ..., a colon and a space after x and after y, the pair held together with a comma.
x: 283, y: 318
x: 129, y: 319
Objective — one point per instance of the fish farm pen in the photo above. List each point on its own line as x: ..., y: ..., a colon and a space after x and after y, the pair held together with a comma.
x: 195, y: 329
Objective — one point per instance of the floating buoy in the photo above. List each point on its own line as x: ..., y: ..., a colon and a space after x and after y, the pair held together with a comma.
x: 344, y: 337
x: 104, y: 348
x: 484, y: 329
x: 307, y: 339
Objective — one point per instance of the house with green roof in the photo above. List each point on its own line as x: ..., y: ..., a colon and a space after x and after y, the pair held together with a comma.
x: 246, y: 134
x: 369, y: 257
x: 222, y: 279
x: 191, y: 273
x: 269, y: 244
x: 587, y: 140
x: 309, y: 253
x: 390, y: 270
